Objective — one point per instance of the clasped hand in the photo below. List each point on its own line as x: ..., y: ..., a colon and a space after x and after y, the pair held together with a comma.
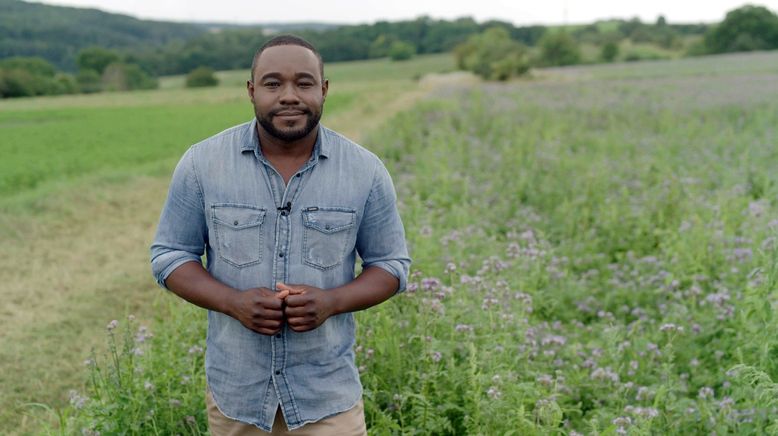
x: 303, y: 308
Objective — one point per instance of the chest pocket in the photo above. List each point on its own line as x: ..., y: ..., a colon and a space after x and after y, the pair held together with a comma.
x: 328, y: 233
x: 239, y: 233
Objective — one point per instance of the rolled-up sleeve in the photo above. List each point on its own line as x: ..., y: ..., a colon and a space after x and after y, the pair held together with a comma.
x: 381, y: 236
x: 182, y: 232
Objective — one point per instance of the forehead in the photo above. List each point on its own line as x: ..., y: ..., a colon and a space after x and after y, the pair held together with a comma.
x: 287, y: 59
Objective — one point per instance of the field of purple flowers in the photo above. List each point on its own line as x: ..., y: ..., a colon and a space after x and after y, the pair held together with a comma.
x: 591, y: 256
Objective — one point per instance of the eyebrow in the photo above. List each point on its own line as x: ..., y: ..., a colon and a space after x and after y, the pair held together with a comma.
x: 276, y: 75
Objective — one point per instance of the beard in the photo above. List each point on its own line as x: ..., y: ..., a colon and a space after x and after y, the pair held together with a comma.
x: 290, y: 134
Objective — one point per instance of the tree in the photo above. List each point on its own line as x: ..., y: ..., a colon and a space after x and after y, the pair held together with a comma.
x: 30, y: 76
x: 744, y: 29
x: 559, y: 48
x: 16, y: 83
x: 379, y: 48
x: 401, y: 51
x: 96, y: 59
x: 33, y: 65
x: 493, y: 55
x: 200, y: 77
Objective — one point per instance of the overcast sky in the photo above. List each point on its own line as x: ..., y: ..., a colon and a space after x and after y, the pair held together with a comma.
x: 368, y: 11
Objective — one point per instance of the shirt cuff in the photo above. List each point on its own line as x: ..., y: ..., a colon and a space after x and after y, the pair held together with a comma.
x: 394, y: 268
x: 172, y: 261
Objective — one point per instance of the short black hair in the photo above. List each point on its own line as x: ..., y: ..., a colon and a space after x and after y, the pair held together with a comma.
x: 287, y: 40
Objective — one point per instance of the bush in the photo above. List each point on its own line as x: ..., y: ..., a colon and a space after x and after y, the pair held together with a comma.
x: 16, y: 83
x: 558, y: 49
x: 201, y: 77
x: 125, y: 77
x: 89, y: 81
x: 645, y: 53
x: 609, y: 51
x: 65, y: 84
x: 379, y: 48
x: 27, y: 77
x: 33, y: 65
x: 96, y: 58
x: 401, y: 51
x: 493, y: 55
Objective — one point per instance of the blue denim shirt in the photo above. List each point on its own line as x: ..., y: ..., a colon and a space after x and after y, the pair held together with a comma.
x: 226, y: 200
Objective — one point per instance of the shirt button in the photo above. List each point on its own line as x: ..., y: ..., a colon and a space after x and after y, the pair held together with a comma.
x: 278, y: 372
x: 283, y: 213
x: 235, y: 223
x: 278, y: 335
x: 280, y: 254
x: 298, y: 175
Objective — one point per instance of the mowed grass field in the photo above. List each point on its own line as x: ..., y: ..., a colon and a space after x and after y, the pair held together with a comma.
x: 594, y: 253
x: 82, y: 181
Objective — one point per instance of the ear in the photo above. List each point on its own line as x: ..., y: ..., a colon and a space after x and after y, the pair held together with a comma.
x: 325, y: 86
x: 250, y: 89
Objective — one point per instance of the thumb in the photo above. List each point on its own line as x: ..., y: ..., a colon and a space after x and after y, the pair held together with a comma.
x: 290, y: 289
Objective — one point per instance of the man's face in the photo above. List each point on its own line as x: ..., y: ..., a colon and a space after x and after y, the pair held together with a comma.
x: 288, y: 92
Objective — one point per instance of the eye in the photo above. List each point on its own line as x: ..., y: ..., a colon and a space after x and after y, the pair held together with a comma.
x: 271, y: 85
x: 305, y: 84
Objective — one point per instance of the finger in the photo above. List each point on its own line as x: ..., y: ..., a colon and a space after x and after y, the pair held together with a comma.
x: 265, y: 327
x: 272, y: 303
x: 281, y: 295
x: 296, y: 300
x: 299, y: 324
x: 295, y: 312
x: 291, y: 289
x: 268, y: 323
x: 269, y: 314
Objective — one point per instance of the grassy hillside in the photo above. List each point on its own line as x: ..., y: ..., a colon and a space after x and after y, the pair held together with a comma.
x: 57, y: 33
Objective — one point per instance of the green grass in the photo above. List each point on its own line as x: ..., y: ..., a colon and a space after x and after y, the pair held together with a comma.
x: 47, y: 146
x: 346, y: 72
x: 726, y: 65
x: 60, y: 144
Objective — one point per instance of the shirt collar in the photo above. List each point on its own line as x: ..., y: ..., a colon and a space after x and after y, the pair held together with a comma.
x: 251, y: 142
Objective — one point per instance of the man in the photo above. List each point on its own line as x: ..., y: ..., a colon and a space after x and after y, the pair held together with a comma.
x: 281, y: 206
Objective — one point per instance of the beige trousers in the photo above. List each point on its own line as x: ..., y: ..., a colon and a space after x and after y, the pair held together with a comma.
x: 348, y: 423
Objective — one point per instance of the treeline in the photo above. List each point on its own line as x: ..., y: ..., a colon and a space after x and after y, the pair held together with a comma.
x: 99, y: 70
x: 493, y: 49
x: 57, y: 33
x: 233, y: 48
x: 495, y: 55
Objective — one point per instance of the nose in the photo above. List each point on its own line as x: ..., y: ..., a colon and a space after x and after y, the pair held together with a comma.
x: 289, y: 96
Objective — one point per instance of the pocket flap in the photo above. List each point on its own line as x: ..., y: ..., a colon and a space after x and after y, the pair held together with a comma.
x: 329, y: 220
x: 238, y: 216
